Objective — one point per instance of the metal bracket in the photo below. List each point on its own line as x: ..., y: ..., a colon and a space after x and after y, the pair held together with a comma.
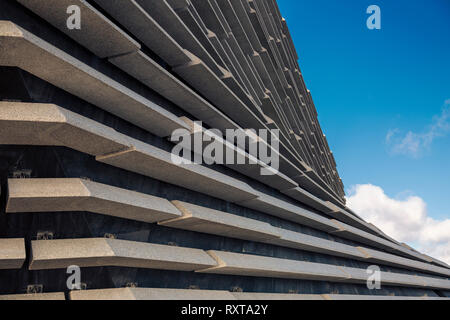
x: 22, y: 174
x: 35, y: 288
x: 45, y: 235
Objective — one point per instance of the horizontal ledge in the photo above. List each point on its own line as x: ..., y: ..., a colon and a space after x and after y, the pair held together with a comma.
x: 66, y: 195
x: 205, y: 220
x: 52, y: 296
x: 152, y: 294
x: 20, y: 49
x: 12, y: 253
x: 112, y: 42
x: 46, y: 124
x: 260, y: 266
x: 102, y: 252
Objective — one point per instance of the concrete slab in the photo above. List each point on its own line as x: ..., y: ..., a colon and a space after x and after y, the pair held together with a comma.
x: 245, y: 163
x: 355, y: 234
x: 12, y: 253
x: 35, y: 296
x: 307, y: 198
x: 173, y: 25
x: 24, y: 50
x: 64, y: 195
x: 285, y: 210
x: 135, y: 19
x: 255, y: 296
x: 259, y: 266
x: 394, y: 260
x: 198, y: 75
x: 143, y: 68
x: 97, y: 33
x: 343, y: 297
x: 97, y: 252
x: 206, y: 220
x: 156, y: 163
x: 51, y: 125
x: 305, y: 242
x: 150, y: 294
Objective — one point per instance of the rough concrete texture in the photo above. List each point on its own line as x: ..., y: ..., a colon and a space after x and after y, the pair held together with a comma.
x: 63, y: 195
x: 156, y: 163
x: 22, y: 49
x: 113, y: 40
x: 50, y: 125
x: 58, y: 254
x: 205, y: 220
x: 259, y: 266
x: 200, y: 295
x: 133, y: 17
x: 12, y: 253
x: 150, y: 294
x: 35, y: 296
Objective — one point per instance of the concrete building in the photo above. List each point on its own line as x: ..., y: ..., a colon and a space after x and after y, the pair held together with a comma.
x: 88, y: 178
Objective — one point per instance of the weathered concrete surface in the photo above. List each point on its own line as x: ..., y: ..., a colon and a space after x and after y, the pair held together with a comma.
x: 205, y: 220
x: 156, y: 163
x: 63, y: 195
x: 22, y: 49
x: 58, y: 254
x: 282, y: 209
x: 50, y: 125
x: 255, y: 296
x: 133, y: 17
x: 259, y: 266
x: 143, y: 68
x: 97, y: 32
x: 35, y: 296
x: 150, y: 294
x: 12, y: 253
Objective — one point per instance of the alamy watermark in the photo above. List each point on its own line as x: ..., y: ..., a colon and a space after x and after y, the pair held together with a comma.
x: 374, y: 278
x: 74, y: 280
x: 74, y: 20
x: 374, y: 20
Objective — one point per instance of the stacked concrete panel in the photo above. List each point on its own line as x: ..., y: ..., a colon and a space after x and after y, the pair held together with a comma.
x: 89, y: 177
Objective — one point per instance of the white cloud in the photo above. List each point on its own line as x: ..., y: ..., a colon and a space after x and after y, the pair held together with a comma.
x: 406, y: 220
x: 414, y: 144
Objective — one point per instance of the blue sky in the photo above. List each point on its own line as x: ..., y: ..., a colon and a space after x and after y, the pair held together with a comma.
x: 367, y: 83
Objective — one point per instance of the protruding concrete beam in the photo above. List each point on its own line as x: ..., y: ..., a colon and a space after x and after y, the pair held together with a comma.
x: 244, y: 162
x: 198, y: 75
x: 37, y: 124
x: 133, y: 17
x: 358, y: 235
x: 64, y: 195
x: 12, y: 253
x: 285, y: 210
x: 143, y: 68
x: 305, y: 242
x: 21, y: 48
x: 156, y: 163
x: 153, y: 294
x: 51, y: 125
x: 345, y: 297
x: 255, y: 296
x: 102, y: 252
x: 150, y: 294
x: 259, y: 266
x: 35, y: 296
x: 205, y: 220
x: 97, y: 33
